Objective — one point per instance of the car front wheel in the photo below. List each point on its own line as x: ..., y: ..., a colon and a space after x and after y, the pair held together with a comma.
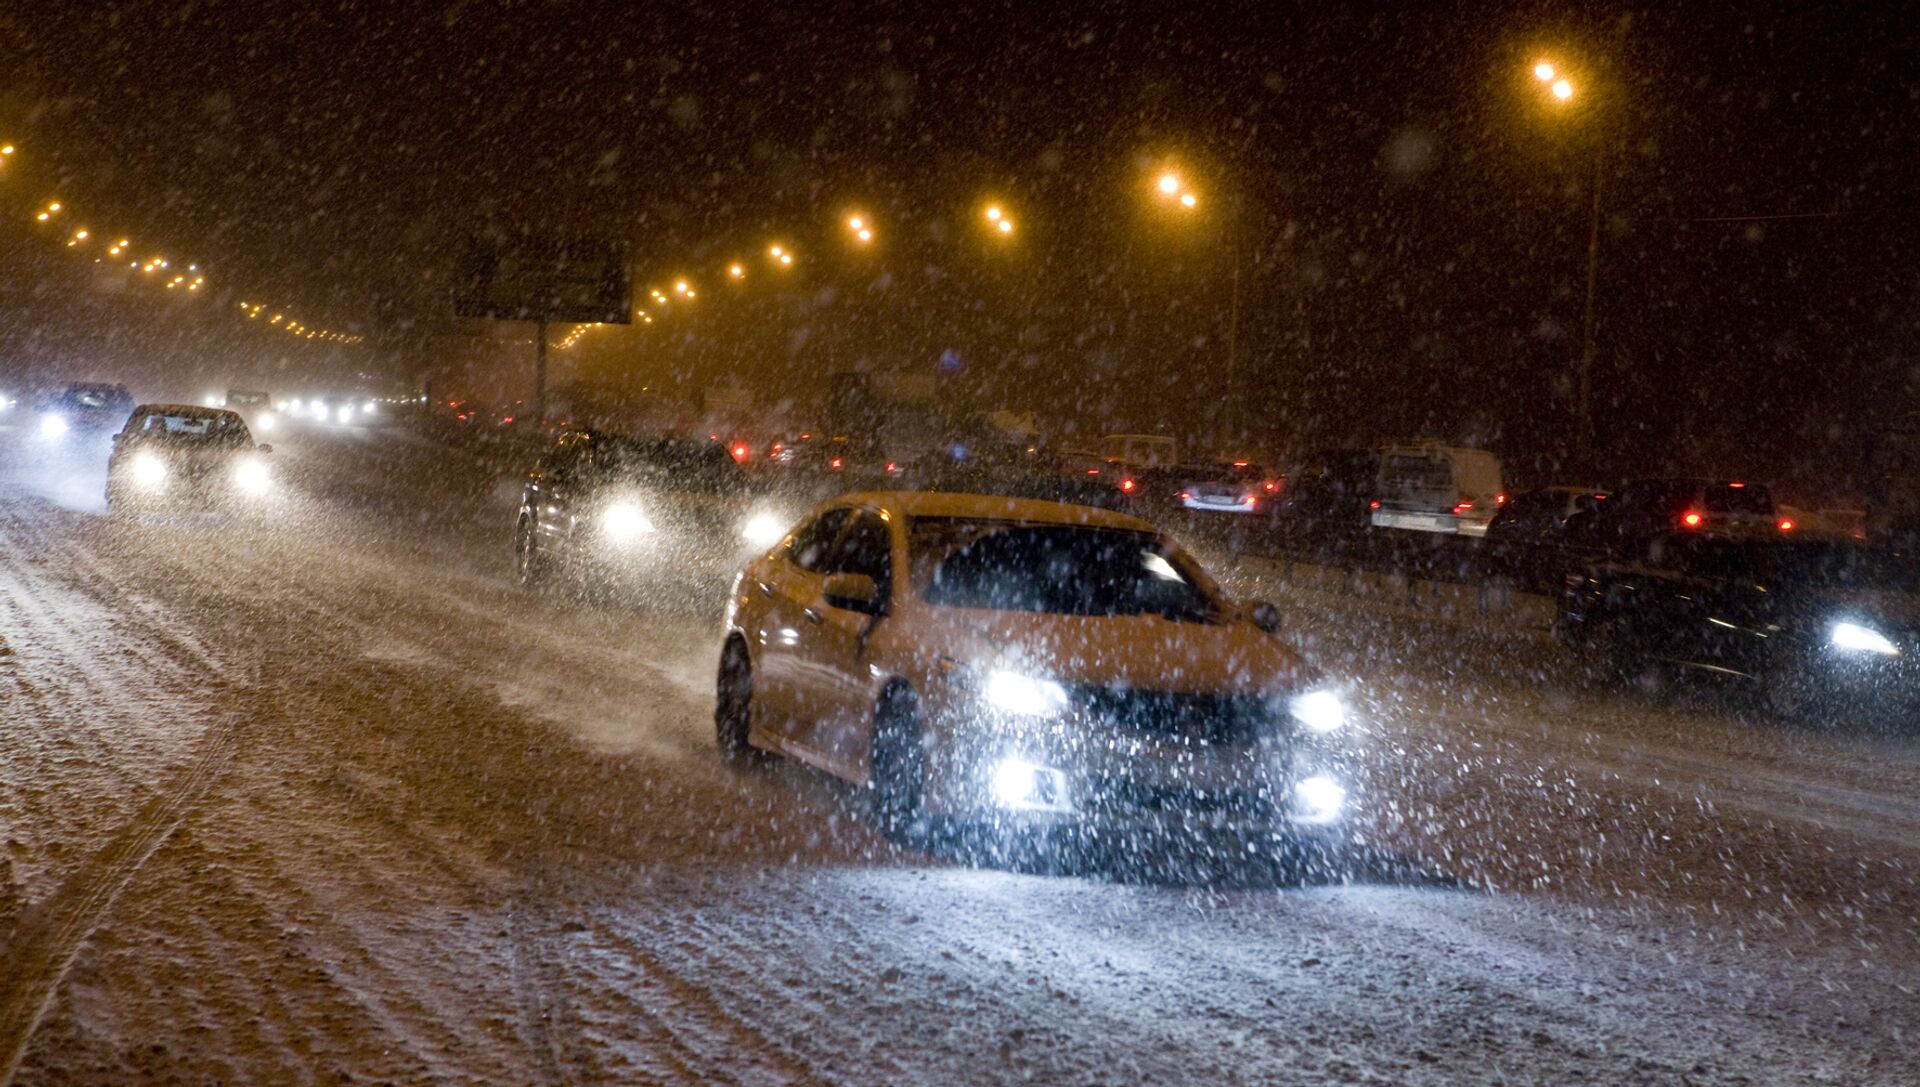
x: 733, y: 704
x: 531, y: 566
x: 897, y: 786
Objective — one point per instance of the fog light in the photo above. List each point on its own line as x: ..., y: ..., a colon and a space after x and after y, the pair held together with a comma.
x: 1318, y: 799
x: 1026, y: 786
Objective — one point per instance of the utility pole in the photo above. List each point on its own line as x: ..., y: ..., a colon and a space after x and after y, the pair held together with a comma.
x: 1583, y: 440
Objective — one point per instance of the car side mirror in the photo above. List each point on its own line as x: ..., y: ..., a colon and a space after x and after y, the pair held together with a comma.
x: 852, y: 592
x: 265, y: 448
x: 1264, y: 615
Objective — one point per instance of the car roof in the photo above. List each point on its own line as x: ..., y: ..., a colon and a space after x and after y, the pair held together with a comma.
x: 994, y: 507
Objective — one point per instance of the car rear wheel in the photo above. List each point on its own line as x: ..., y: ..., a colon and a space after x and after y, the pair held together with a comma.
x: 531, y: 566
x: 897, y: 785
x: 733, y: 704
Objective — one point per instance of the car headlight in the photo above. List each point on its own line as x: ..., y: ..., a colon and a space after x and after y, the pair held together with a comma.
x: 1318, y: 711
x: 345, y: 414
x: 763, y: 530
x: 52, y: 425
x: 1024, y: 695
x: 367, y: 407
x: 624, y: 521
x: 1318, y: 799
x: 1026, y: 786
x: 148, y: 470
x: 265, y: 421
x: 1855, y: 637
x: 250, y: 475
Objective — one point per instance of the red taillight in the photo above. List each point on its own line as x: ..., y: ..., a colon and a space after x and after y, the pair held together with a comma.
x: 1736, y: 485
x: 1786, y: 524
x: 1461, y: 507
x: 1499, y: 499
x: 1093, y: 471
x: 1240, y: 463
x: 1184, y: 495
x: 1250, y: 500
x: 506, y: 419
x: 741, y: 452
x: 1127, y: 485
x: 1374, y: 505
x: 834, y: 464
x: 893, y: 466
x: 806, y: 437
x: 1692, y: 519
x: 1270, y: 486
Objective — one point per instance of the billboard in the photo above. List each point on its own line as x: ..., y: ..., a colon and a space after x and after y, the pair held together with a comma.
x: 545, y: 278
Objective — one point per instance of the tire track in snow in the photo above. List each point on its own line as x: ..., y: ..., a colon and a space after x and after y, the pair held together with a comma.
x: 50, y: 936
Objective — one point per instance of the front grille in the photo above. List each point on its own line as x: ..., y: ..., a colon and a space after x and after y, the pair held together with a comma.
x: 1172, y: 716
x: 1116, y: 794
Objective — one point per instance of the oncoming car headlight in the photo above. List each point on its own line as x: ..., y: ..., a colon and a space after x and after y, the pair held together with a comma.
x: 624, y: 521
x: 1318, y: 799
x: 266, y: 421
x: 1861, y: 639
x: 147, y: 470
x: 250, y: 475
x: 763, y: 530
x: 52, y: 425
x: 1318, y: 711
x: 1024, y: 695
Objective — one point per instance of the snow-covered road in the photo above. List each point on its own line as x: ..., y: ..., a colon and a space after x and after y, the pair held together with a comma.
x: 328, y: 800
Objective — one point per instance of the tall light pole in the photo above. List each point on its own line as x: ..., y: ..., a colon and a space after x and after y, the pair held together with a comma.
x: 1174, y: 191
x: 1562, y: 92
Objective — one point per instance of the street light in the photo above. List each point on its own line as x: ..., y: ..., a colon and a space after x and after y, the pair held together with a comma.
x: 862, y: 231
x: 998, y: 220
x: 1170, y: 187
x: 1562, y: 90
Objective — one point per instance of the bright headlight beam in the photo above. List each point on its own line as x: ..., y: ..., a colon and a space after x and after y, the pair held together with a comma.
x: 1862, y: 639
x: 763, y: 530
x: 624, y: 521
x: 148, y: 470
x: 1319, y: 798
x: 1318, y: 711
x: 52, y: 426
x: 1019, y: 784
x: 1025, y: 695
x: 251, y: 476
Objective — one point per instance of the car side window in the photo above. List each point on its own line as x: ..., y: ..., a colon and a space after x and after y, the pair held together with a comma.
x: 813, y: 543
x: 865, y: 548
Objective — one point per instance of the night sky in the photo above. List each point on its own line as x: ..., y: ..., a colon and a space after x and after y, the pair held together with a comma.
x: 1408, y: 214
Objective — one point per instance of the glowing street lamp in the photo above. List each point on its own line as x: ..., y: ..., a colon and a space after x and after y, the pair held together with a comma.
x: 737, y: 270
x: 861, y: 231
x: 1562, y: 90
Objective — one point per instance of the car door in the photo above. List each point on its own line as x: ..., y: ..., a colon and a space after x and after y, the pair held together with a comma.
x: 782, y: 590
x: 834, y: 684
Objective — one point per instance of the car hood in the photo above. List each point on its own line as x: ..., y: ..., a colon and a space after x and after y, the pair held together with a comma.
x: 1138, y: 652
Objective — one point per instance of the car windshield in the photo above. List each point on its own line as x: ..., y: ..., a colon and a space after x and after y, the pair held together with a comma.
x: 222, y: 429
x: 1055, y: 569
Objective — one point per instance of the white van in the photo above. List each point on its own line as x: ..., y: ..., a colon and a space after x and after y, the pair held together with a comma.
x: 1437, y: 488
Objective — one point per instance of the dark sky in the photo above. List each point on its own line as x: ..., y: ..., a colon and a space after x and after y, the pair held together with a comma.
x: 1410, y: 221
